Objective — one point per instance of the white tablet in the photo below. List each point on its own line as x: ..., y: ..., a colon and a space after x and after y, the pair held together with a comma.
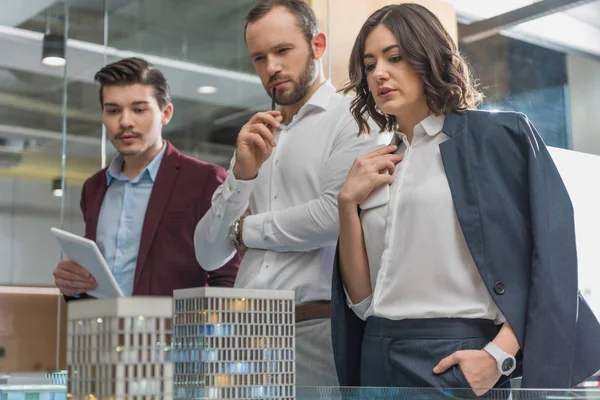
x: 85, y: 252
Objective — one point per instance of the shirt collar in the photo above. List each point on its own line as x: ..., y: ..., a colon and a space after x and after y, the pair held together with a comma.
x: 431, y: 126
x: 322, y: 97
x: 115, y: 168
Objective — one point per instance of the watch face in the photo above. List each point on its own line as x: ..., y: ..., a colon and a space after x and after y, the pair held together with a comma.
x: 508, y: 364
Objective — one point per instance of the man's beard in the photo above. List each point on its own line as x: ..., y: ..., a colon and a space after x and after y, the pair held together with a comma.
x: 300, y: 86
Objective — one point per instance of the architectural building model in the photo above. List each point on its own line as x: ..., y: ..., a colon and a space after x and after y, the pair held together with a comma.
x: 233, y: 344
x: 120, y: 348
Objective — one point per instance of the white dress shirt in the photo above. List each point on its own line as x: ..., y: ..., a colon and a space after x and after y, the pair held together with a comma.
x: 420, y: 265
x: 292, y: 232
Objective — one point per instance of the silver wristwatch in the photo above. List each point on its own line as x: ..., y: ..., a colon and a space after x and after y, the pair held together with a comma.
x: 506, y: 363
x: 234, y: 233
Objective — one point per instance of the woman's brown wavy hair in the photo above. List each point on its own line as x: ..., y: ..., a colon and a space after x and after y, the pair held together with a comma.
x: 429, y: 49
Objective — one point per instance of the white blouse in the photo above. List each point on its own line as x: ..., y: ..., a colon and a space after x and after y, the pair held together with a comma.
x: 419, y: 261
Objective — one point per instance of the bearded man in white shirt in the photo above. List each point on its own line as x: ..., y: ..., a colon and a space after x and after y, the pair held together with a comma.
x: 278, y: 205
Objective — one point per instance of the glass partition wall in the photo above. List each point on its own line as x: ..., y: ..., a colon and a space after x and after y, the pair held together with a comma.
x: 51, y: 134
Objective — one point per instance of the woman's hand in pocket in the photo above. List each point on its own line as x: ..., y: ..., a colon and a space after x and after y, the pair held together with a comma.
x: 478, y: 367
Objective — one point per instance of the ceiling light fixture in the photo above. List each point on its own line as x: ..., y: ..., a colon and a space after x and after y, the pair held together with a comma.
x: 53, y: 50
x: 57, y: 187
x: 207, y: 90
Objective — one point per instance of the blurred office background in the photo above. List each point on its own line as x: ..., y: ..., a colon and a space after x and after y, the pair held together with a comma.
x: 538, y: 57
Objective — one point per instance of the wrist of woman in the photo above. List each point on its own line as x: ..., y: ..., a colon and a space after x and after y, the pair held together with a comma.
x: 345, y: 202
x: 347, y: 208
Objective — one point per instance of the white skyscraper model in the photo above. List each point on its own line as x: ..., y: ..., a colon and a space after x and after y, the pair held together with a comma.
x: 120, y: 348
x: 233, y: 344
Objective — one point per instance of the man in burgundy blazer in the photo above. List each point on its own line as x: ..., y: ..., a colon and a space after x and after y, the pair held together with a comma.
x: 180, y: 196
x: 143, y: 209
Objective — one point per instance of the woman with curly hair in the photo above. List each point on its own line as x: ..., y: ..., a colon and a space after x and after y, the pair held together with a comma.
x: 456, y: 262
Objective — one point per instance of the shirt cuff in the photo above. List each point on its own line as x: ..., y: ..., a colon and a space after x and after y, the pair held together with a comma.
x: 500, y: 318
x: 237, y: 190
x: 361, y: 308
x: 252, y: 231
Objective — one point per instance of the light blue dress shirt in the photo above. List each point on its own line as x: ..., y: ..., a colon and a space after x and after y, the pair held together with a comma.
x: 122, y: 218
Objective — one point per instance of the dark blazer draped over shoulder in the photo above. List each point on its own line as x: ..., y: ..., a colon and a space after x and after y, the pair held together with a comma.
x: 517, y: 219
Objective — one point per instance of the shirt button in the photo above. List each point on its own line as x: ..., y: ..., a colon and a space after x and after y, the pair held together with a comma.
x: 276, y: 161
x: 275, y: 197
x: 499, y: 288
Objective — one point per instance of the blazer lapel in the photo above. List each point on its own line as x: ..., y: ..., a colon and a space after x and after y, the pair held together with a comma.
x: 94, y: 205
x: 161, y: 192
x: 457, y: 164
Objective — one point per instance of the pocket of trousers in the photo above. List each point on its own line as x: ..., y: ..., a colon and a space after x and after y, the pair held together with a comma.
x: 460, y: 377
x: 468, y: 344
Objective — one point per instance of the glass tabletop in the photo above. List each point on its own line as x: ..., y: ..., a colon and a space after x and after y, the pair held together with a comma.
x: 53, y: 386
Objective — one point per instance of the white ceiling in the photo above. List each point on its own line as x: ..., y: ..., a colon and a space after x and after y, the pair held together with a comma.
x: 195, y: 43
x: 587, y: 13
x: 237, y: 89
x: 153, y: 27
x: 15, y: 12
x: 575, y: 30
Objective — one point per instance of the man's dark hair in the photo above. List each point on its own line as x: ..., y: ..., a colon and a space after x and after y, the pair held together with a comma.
x: 131, y: 71
x: 307, y: 20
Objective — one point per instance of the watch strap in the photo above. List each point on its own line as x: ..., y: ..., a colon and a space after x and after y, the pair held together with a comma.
x: 505, y: 362
x: 234, y: 235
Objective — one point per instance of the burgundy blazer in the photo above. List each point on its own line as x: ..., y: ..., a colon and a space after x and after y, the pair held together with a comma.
x: 181, y: 195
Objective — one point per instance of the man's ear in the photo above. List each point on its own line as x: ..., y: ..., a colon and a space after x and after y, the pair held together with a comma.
x: 319, y: 45
x: 167, y: 114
